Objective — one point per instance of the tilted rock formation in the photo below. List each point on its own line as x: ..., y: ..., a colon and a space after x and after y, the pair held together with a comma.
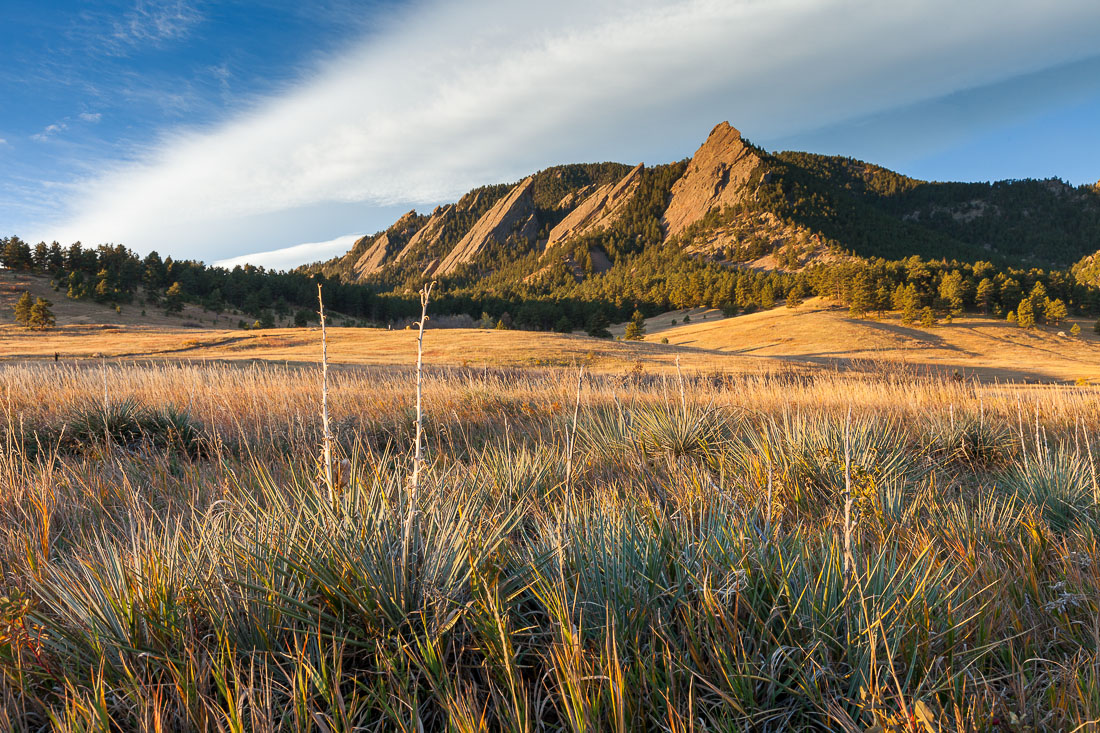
x: 599, y: 209
x: 377, y: 253
x: 513, y: 213
x: 569, y: 200
x: 429, y: 234
x: 715, y: 177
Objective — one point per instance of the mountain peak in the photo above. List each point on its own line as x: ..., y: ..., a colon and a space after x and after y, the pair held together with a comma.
x: 724, y: 131
x: 715, y: 178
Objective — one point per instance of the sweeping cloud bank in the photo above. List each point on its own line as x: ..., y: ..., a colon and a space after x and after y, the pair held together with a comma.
x: 445, y: 96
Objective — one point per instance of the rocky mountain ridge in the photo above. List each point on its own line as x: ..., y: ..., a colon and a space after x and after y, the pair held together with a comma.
x: 731, y: 203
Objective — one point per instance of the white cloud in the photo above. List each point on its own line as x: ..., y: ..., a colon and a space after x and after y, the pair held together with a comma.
x: 153, y: 21
x: 49, y: 131
x: 452, y: 95
x: 91, y: 116
x: 288, y: 257
x: 3, y: 141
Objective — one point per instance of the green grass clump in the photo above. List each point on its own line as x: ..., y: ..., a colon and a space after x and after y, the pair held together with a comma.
x: 94, y: 427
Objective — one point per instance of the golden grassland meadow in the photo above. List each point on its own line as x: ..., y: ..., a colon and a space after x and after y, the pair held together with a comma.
x: 648, y: 549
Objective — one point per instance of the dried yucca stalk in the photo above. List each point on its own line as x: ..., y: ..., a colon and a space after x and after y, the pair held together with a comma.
x: 425, y: 295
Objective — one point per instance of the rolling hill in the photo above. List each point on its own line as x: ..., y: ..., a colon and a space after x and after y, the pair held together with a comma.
x: 819, y: 334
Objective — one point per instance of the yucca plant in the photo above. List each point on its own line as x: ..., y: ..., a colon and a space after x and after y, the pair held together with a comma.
x: 968, y: 440
x: 804, y: 457
x: 170, y: 427
x: 1057, y: 481
x: 94, y: 425
x: 608, y: 431
x: 683, y: 429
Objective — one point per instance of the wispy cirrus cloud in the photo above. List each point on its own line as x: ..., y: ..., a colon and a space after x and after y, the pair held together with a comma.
x: 155, y: 21
x: 447, y: 96
x: 49, y: 132
x: 92, y: 117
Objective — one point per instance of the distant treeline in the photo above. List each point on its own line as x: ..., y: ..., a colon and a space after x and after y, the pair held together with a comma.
x: 656, y: 279
x: 113, y: 274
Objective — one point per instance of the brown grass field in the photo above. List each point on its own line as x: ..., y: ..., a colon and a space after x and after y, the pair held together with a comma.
x: 813, y: 524
x: 817, y: 333
x: 812, y: 337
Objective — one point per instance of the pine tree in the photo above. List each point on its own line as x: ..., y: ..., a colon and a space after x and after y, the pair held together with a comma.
x: 882, y: 299
x: 897, y: 298
x: 861, y: 295
x: 910, y: 310
x: 41, y: 257
x: 794, y: 296
x: 635, y: 330
x: 1011, y: 292
x: 985, y: 294
x: 16, y: 254
x: 173, y: 299
x: 953, y: 290
x: 77, y: 289
x: 1054, y: 311
x: 23, y: 309
x: 927, y: 317
x: 597, y: 326
x: 1025, y: 314
x: 767, y: 297
x: 1075, y: 330
x: 41, y: 316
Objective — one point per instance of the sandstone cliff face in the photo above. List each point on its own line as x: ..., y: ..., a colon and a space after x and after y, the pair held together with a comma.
x: 600, y: 209
x: 429, y: 234
x: 571, y: 199
x: 513, y: 213
x: 715, y: 177
x: 376, y: 255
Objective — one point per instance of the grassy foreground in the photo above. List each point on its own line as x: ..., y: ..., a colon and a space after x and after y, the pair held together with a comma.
x: 171, y: 559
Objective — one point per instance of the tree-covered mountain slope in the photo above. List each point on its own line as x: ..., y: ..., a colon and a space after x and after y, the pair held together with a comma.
x: 731, y: 205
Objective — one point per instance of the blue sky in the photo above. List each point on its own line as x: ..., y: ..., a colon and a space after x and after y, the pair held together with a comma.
x: 219, y: 130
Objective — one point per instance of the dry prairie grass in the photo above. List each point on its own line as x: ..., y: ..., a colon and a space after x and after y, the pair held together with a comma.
x: 819, y: 334
x: 172, y: 560
x: 808, y: 339
x: 366, y: 346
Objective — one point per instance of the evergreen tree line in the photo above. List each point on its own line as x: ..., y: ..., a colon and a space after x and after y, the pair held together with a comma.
x: 656, y: 279
x: 112, y: 274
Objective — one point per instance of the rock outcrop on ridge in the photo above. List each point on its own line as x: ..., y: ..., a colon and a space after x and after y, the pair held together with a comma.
x: 378, y: 252
x: 599, y: 209
x: 513, y: 214
x: 715, y: 178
